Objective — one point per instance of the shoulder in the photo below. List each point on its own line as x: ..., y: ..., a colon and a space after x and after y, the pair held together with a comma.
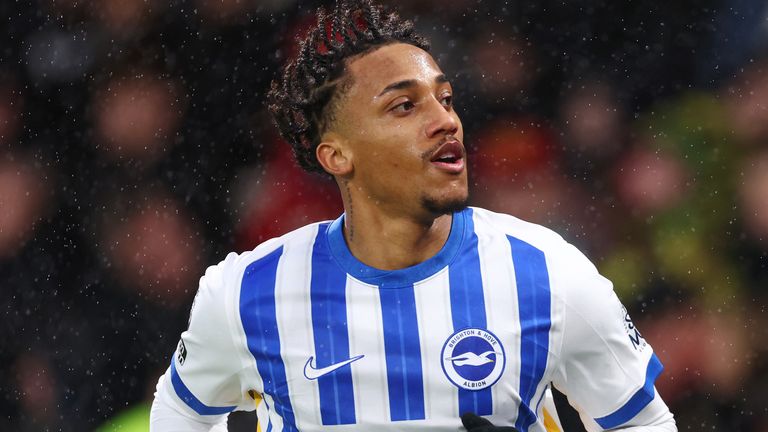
x: 235, y: 265
x: 491, y: 223
x: 568, y: 268
x: 220, y: 288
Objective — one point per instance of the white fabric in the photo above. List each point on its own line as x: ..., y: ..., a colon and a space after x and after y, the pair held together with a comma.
x: 167, y: 416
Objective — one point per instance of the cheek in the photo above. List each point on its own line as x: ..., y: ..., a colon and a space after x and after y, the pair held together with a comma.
x: 385, y: 145
x: 406, y: 160
x: 390, y: 152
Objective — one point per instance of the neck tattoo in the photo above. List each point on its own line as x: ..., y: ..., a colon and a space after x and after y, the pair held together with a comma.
x: 350, y: 226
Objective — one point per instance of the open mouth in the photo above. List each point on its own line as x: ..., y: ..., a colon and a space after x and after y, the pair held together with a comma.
x: 449, y: 157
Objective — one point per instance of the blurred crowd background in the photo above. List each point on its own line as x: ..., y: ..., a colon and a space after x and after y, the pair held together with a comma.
x: 135, y: 150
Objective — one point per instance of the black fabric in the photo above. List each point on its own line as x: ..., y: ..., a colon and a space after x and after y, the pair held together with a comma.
x: 474, y: 423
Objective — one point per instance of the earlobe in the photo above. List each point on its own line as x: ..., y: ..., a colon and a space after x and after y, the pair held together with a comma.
x: 335, y: 159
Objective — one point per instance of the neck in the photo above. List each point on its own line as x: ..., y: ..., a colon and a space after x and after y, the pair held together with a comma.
x: 390, y: 240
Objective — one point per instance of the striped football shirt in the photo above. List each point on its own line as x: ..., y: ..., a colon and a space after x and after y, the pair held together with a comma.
x: 314, y: 339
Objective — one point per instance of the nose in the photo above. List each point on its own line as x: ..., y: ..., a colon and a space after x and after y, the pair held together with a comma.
x: 442, y: 120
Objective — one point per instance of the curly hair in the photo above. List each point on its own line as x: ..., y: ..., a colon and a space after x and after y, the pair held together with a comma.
x: 303, y: 99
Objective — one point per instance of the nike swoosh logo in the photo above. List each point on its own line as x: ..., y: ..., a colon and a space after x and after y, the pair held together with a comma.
x: 312, y: 373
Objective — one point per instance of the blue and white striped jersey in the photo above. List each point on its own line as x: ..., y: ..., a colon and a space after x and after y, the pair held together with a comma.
x: 316, y: 340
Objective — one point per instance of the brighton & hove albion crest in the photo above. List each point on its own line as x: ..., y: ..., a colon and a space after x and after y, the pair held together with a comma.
x: 473, y: 359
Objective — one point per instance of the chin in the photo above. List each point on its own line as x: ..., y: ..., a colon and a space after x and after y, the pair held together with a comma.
x: 445, y: 205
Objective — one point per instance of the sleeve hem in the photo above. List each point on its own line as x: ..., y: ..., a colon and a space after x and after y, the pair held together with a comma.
x: 186, y: 395
x: 638, y: 401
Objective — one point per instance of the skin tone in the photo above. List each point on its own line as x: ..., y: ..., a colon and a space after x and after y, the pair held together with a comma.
x: 393, y: 122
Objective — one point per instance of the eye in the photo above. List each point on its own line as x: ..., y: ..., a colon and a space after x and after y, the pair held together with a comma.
x: 447, y: 100
x: 403, y: 107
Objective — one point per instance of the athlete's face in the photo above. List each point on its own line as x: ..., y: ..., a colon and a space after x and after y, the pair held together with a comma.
x: 405, y: 139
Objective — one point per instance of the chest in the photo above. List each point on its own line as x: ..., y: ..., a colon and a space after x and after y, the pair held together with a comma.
x: 408, y: 356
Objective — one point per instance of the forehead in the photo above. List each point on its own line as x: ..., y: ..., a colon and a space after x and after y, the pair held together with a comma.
x: 374, y: 71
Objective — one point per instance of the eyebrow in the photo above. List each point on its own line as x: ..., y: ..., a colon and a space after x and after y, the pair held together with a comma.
x: 404, y: 84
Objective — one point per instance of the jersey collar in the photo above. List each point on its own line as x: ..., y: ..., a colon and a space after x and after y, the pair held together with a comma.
x: 403, y: 277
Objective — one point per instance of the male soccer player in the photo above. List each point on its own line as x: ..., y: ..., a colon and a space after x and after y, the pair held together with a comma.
x: 411, y: 311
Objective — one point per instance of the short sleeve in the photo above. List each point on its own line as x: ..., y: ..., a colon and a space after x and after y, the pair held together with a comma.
x: 204, y: 371
x: 606, y: 368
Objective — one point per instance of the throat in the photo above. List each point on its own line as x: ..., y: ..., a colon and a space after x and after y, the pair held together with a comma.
x: 395, y: 244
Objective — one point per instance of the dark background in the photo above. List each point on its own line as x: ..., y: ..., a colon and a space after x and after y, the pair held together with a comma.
x: 135, y: 150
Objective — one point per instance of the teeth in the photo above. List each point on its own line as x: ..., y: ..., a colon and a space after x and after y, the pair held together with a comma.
x: 448, y: 157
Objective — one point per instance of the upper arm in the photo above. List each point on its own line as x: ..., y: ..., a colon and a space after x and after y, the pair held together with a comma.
x: 204, y: 376
x: 606, y: 368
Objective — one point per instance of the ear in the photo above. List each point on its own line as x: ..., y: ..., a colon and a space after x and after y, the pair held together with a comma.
x: 334, y: 156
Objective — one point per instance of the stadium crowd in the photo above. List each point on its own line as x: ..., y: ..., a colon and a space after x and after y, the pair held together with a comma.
x: 135, y: 150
